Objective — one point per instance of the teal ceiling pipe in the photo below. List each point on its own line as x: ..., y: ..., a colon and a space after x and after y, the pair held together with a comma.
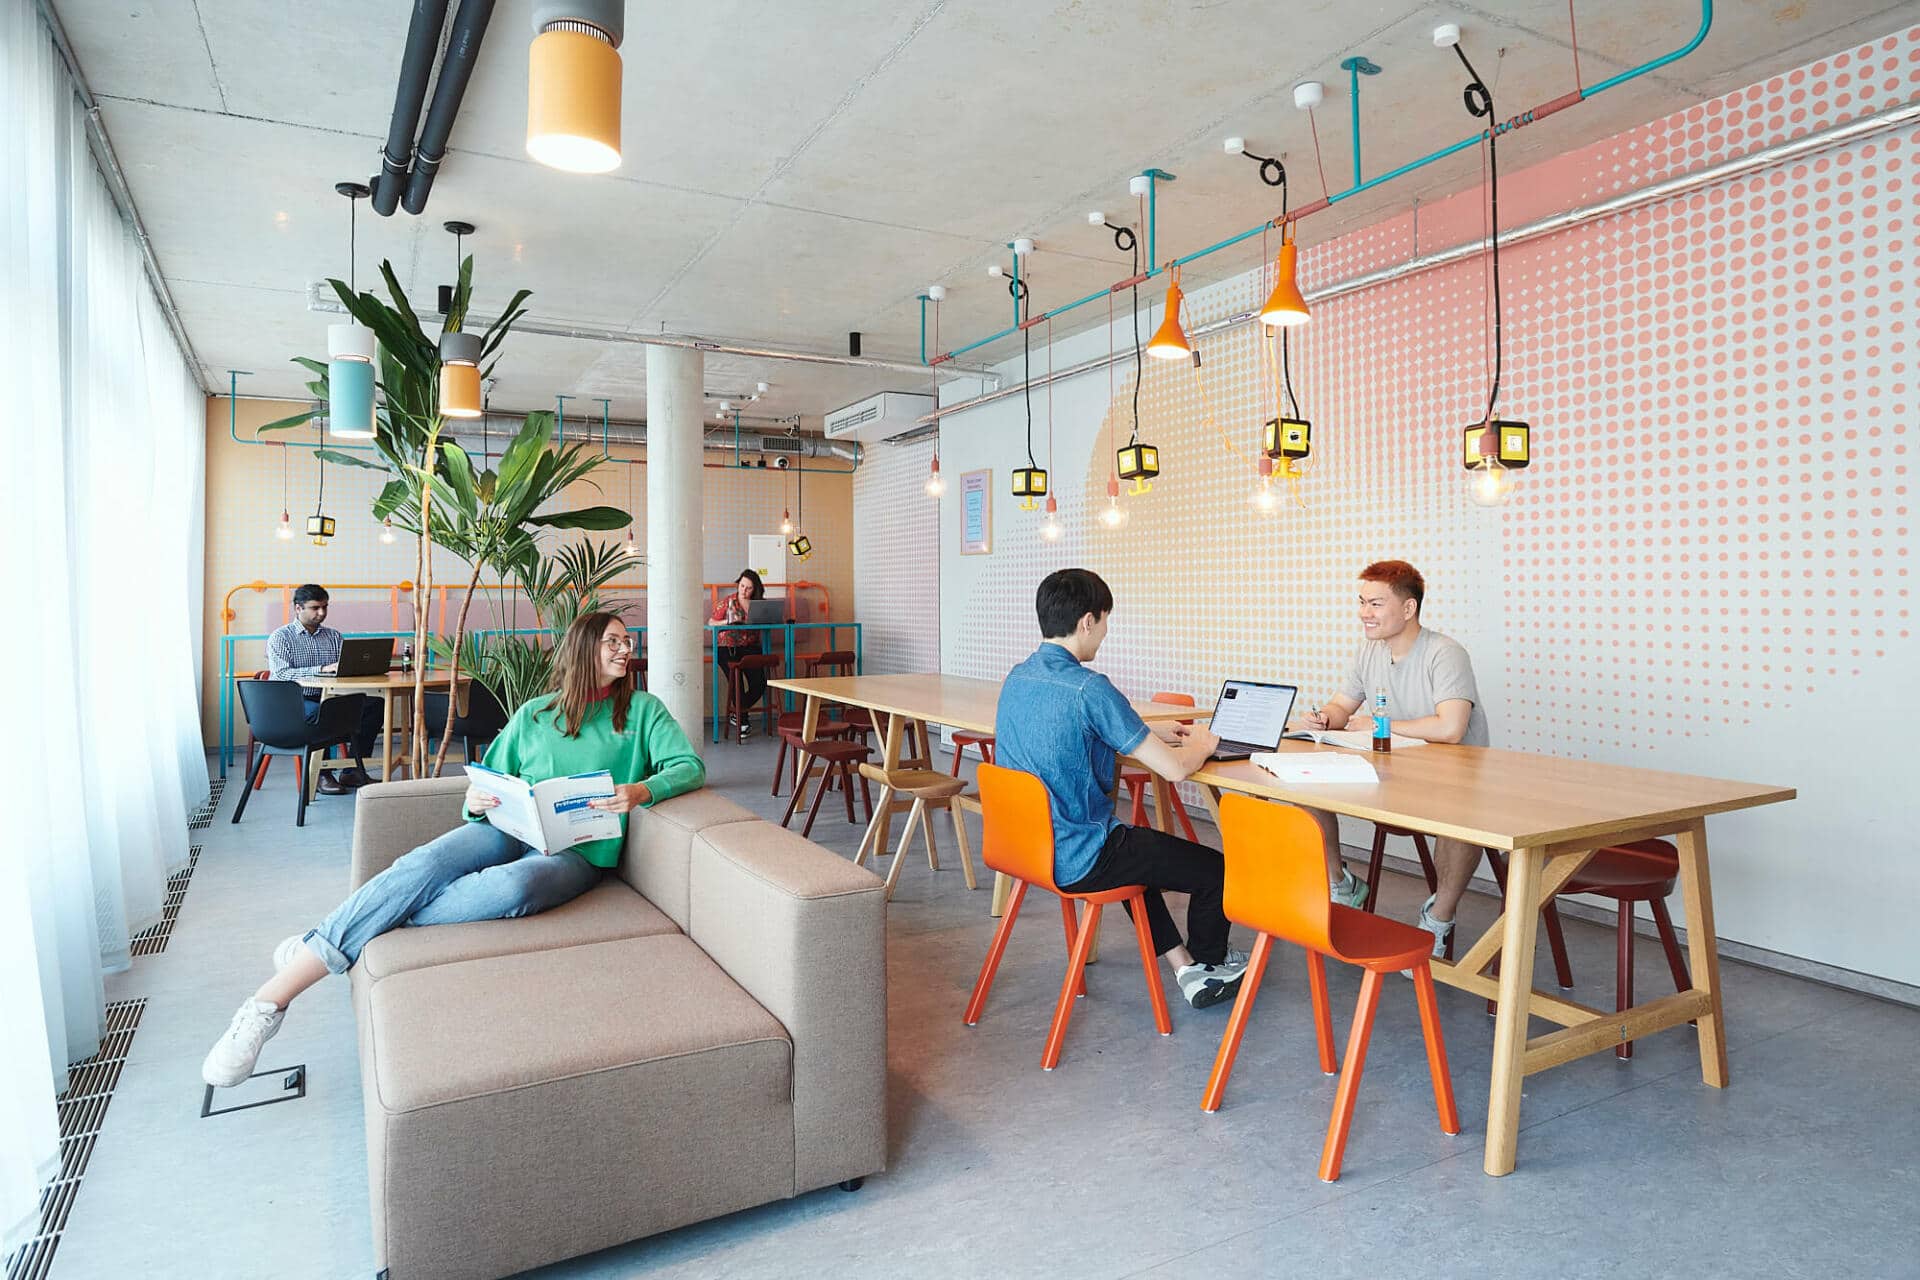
x: 1525, y: 118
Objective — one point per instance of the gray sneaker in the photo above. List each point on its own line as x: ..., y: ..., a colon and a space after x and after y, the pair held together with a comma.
x: 1350, y: 892
x: 1205, y: 985
x: 1440, y: 929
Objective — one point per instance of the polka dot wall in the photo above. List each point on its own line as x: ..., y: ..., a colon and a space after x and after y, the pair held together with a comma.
x: 895, y: 526
x: 1711, y: 555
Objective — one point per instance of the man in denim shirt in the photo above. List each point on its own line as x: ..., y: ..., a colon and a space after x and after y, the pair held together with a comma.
x: 1064, y: 723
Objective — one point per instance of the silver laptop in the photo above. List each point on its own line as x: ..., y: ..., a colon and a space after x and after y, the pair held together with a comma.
x: 1251, y: 716
x: 766, y: 613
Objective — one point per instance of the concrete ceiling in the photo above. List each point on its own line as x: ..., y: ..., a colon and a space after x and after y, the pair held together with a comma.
x: 795, y: 171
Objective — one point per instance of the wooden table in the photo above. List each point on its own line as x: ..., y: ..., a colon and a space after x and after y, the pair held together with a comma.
x: 911, y: 703
x: 394, y: 684
x: 1549, y: 815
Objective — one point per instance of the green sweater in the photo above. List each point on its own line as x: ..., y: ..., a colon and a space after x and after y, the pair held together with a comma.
x: 651, y: 749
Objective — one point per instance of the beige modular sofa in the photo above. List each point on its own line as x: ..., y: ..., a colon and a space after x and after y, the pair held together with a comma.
x: 702, y: 1032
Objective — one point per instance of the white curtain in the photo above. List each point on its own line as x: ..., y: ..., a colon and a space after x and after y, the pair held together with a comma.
x: 102, y: 549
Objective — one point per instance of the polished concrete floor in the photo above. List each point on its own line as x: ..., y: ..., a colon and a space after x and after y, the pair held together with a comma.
x: 1106, y: 1167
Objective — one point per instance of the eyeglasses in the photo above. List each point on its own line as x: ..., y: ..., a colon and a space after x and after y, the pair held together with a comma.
x: 617, y: 643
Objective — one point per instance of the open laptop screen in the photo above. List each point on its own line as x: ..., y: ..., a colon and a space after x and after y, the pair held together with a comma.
x: 1253, y: 713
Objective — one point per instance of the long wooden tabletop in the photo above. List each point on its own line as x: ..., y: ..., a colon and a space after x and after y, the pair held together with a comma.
x: 1503, y: 799
x: 959, y: 702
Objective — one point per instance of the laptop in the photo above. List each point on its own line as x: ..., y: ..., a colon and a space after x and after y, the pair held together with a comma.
x: 766, y: 613
x: 1251, y: 716
x: 370, y: 656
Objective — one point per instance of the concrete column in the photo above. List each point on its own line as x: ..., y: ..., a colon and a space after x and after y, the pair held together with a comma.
x: 676, y: 607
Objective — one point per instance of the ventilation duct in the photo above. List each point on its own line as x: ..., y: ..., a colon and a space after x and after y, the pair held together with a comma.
x: 407, y: 166
x: 501, y: 428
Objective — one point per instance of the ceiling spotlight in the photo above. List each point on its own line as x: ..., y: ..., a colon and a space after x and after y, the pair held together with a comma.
x: 1308, y: 94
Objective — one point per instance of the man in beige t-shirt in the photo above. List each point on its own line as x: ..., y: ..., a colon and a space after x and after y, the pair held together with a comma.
x: 1431, y: 694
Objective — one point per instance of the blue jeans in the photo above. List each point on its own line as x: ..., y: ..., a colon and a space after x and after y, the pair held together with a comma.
x: 474, y: 872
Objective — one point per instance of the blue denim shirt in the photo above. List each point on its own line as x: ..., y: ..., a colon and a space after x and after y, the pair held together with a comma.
x: 1063, y: 723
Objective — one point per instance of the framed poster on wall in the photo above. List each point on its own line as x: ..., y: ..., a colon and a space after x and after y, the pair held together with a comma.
x: 976, y: 513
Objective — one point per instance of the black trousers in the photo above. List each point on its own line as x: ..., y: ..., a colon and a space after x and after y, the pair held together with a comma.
x: 369, y: 722
x: 753, y: 681
x: 1141, y: 855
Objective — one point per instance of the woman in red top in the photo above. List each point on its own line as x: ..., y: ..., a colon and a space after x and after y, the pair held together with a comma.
x: 735, y: 645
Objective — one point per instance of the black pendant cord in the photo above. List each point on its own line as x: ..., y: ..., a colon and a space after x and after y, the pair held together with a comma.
x: 1286, y: 366
x: 1026, y: 390
x: 1134, y: 438
x: 1479, y: 103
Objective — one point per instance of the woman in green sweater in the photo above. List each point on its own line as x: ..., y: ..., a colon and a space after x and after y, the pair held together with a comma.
x: 592, y: 720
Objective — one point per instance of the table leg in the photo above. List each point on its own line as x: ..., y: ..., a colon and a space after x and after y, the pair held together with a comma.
x: 1510, y: 1021
x: 1162, y: 804
x: 1703, y: 950
x: 386, y: 735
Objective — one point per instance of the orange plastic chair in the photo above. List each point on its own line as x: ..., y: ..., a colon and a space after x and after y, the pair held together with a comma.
x: 1019, y: 843
x: 1136, y: 779
x: 1276, y: 885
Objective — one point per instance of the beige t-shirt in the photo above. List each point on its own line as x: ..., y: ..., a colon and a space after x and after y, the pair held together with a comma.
x: 1435, y: 670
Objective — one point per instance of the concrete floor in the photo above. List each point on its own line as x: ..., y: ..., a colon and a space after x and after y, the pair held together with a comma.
x: 1103, y: 1168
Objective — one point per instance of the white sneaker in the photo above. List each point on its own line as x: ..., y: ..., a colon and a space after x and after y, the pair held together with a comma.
x: 288, y: 951
x: 233, y: 1055
x: 1440, y: 929
x: 1350, y: 892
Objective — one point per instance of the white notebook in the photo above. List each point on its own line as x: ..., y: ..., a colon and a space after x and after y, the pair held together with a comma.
x: 1351, y: 739
x: 1316, y: 766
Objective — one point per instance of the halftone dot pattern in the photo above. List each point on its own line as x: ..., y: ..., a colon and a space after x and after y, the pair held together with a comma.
x: 1717, y: 520
x: 895, y: 524
x: 243, y: 506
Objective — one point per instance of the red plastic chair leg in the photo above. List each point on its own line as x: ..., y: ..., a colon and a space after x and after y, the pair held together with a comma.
x: 1322, y: 1013
x: 977, y: 1004
x: 1236, y: 1024
x: 1436, y: 1048
x: 1670, y: 941
x: 1072, y: 923
x: 1355, y: 1063
x: 1180, y: 812
x: 1063, y: 1011
x: 1150, y: 963
x: 1623, y: 972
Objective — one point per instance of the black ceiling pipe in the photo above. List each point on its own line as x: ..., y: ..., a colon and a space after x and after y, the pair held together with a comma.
x: 416, y: 69
x: 463, y: 50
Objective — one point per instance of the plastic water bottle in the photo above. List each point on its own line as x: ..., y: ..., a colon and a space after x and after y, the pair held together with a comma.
x: 1382, y: 726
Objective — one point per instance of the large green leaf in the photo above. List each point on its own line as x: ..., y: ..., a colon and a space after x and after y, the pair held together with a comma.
x: 300, y: 419
x: 459, y: 469
x: 589, y: 518
x: 338, y: 458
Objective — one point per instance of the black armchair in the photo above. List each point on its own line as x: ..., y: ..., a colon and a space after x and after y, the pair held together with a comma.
x: 276, y: 714
x: 482, y: 723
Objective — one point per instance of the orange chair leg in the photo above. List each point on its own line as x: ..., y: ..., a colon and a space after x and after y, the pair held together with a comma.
x: 1180, y: 812
x: 991, y: 965
x: 1072, y: 923
x: 1057, y: 1036
x: 1356, y: 1061
x: 1322, y: 1015
x: 1236, y: 1024
x: 1151, y: 964
x: 1436, y: 1049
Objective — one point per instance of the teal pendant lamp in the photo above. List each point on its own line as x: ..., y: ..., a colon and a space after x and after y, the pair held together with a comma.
x: 350, y: 349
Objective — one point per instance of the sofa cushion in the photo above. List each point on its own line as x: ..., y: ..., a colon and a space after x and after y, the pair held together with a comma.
x: 460, y: 1031
x: 658, y: 841
x: 603, y: 913
x: 527, y: 1108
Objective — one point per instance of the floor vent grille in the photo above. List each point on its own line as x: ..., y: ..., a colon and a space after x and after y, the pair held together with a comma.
x: 83, y: 1108
x: 202, y: 818
x: 153, y: 941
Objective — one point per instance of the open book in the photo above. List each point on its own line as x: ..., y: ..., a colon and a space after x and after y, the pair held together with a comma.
x: 1316, y: 766
x: 1351, y: 739
x: 553, y: 815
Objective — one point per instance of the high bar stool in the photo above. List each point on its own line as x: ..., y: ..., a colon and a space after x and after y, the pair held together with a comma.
x: 981, y: 742
x: 737, y: 688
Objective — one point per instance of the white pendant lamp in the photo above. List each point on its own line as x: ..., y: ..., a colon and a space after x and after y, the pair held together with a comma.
x: 351, y: 349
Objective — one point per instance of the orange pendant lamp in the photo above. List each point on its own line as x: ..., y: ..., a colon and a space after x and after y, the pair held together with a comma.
x: 1169, y: 341
x: 573, y: 84
x: 1285, y: 306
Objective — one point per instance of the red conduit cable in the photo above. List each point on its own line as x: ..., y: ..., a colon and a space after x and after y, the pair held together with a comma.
x: 1573, y: 33
x: 1318, y: 161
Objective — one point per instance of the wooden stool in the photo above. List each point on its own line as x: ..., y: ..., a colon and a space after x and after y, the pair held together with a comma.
x: 833, y: 755
x: 981, y: 742
x: 789, y: 726
x: 737, y: 719
x: 930, y: 789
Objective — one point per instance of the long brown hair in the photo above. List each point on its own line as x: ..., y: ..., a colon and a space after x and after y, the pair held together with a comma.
x: 576, y: 675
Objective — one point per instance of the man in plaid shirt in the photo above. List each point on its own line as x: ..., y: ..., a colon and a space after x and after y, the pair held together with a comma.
x: 307, y: 647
